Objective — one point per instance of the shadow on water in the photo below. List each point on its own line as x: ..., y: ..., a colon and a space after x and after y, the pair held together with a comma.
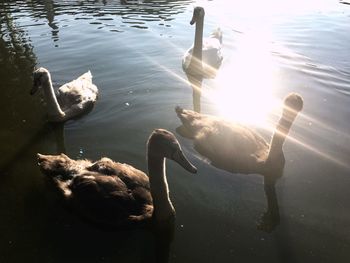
x: 22, y: 128
x: 50, y: 131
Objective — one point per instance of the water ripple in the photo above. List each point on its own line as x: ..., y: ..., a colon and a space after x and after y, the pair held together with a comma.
x: 121, y: 12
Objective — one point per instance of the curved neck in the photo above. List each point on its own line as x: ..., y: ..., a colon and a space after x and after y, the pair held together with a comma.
x: 281, y: 132
x: 163, y: 208
x: 53, y: 107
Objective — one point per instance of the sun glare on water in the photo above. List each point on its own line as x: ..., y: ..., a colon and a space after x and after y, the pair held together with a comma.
x: 244, y: 87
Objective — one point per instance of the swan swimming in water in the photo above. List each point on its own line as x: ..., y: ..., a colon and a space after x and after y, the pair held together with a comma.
x: 239, y: 149
x: 112, y: 194
x: 72, y: 99
x: 204, y: 57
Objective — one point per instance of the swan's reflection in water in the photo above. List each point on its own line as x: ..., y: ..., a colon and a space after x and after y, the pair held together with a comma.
x: 164, y: 236
x: 271, y: 218
x: 196, y: 84
x: 50, y: 132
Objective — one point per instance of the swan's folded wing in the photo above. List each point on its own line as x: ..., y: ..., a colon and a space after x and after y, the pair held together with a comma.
x: 77, y: 91
x: 231, y: 146
x: 212, y: 56
x: 186, y: 59
x: 107, y: 200
x: 131, y: 176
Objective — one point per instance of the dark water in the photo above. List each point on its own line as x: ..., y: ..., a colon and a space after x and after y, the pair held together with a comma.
x: 134, y: 52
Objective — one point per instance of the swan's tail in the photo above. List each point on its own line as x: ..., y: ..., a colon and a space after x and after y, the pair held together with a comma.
x: 181, y: 113
x: 87, y: 76
x: 217, y: 33
x: 188, y: 129
x: 186, y: 116
x: 178, y: 110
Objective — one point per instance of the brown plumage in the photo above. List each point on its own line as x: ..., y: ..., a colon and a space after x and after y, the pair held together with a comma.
x: 112, y: 194
x: 239, y: 149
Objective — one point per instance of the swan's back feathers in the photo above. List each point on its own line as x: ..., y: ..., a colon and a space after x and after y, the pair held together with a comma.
x: 78, y: 91
x: 212, y: 49
x: 231, y: 146
x: 105, y: 192
x: 131, y: 176
x: 211, y: 55
x: 220, y: 141
x: 108, y: 201
x: 186, y: 59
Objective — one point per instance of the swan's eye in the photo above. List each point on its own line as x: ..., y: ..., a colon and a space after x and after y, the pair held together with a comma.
x: 174, y: 146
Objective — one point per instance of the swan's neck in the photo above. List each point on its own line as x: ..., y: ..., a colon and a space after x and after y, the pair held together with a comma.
x: 53, y: 108
x: 196, y: 61
x: 163, y: 208
x: 198, y: 40
x: 281, y: 132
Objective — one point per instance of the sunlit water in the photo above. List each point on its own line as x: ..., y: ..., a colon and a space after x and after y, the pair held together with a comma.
x: 134, y: 50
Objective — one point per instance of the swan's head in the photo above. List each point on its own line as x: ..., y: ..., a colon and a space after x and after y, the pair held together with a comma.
x: 163, y: 143
x: 293, y: 104
x: 198, y: 14
x: 40, y: 76
x: 56, y: 165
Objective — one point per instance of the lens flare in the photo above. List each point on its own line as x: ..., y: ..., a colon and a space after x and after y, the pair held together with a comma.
x: 245, y: 87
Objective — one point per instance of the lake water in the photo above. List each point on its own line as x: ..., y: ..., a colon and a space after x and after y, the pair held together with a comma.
x: 134, y: 51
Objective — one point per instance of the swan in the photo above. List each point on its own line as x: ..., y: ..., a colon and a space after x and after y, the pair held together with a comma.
x: 72, y: 99
x: 239, y: 149
x: 112, y: 194
x: 204, y: 58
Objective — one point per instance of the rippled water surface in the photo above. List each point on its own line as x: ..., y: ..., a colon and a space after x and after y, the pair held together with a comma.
x: 134, y: 50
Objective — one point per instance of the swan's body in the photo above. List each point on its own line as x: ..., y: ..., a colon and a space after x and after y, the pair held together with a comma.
x: 112, y: 194
x: 239, y: 149
x: 71, y: 100
x: 204, y: 57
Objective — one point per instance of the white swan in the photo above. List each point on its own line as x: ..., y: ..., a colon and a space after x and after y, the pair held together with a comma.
x: 204, y: 58
x: 72, y: 99
x: 112, y: 194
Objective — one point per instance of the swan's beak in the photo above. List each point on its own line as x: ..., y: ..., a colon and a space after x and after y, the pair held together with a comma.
x: 181, y: 159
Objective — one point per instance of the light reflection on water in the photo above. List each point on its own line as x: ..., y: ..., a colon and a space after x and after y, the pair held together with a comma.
x: 134, y: 52
x: 244, y: 89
